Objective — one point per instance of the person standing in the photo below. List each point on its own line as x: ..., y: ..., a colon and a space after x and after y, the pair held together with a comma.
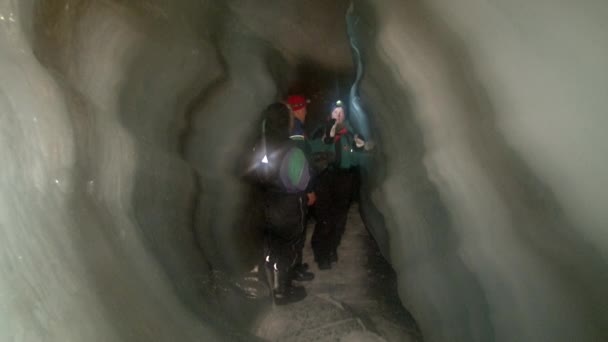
x: 335, y: 185
x: 281, y: 170
x: 298, y: 105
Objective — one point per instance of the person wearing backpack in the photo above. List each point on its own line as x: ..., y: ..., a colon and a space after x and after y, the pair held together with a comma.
x: 298, y: 105
x: 281, y: 170
x: 336, y: 150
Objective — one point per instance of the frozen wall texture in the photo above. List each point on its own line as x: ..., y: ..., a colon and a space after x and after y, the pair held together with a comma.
x: 491, y: 118
x: 122, y: 217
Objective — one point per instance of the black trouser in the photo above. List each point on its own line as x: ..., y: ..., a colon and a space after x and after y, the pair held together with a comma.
x: 300, y: 246
x: 334, y: 194
x: 284, y: 214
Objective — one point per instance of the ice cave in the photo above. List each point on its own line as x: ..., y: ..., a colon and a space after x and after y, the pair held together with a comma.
x: 122, y: 217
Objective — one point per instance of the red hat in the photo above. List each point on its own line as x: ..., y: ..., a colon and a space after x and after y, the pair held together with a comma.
x: 296, y: 101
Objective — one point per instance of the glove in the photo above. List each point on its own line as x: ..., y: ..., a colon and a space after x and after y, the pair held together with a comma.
x: 359, y: 142
x: 312, y: 198
x: 332, y: 131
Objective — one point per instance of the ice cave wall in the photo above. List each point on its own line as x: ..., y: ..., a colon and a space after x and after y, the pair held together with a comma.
x: 488, y: 183
x: 492, y: 123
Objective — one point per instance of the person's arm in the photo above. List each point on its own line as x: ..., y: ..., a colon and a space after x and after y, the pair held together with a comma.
x: 310, y: 194
x: 358, y: 142
x: 311, y: 198
x: 361, y: 144
x: 330, y: 132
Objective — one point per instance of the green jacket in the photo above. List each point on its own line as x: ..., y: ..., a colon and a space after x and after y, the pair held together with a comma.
x: 341, y: 153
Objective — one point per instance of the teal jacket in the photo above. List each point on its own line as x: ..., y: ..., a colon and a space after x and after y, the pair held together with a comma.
x: 341, y: 152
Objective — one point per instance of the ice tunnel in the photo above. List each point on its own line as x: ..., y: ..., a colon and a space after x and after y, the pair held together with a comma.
x: 121, y: 122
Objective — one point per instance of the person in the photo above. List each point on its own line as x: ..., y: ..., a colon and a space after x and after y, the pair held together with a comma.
x: 298, y: 105
x: 335, y: 185
x: 280, y: 168
x: 299, y: 110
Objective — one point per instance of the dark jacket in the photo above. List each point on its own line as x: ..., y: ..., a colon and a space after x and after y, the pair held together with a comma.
x: 282, y: 172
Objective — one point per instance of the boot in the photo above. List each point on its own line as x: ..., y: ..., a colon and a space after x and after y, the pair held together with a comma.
x: 285, y: 292
x: 333, y: 256
x: 323, y: 261
x: 300, y: 273
x: 324, y: 264
x: 271, y: 278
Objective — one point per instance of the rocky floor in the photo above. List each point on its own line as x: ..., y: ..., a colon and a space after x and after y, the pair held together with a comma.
x: 356, y: 300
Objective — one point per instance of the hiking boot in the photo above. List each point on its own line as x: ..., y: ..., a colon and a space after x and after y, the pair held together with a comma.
x: 285, y: 292
x: 324, y: 264
x: 333, y: 256
x: 290, y: 294
x: 300, y: 273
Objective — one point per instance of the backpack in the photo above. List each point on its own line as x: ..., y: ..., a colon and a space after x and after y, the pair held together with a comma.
x: 279, y: 167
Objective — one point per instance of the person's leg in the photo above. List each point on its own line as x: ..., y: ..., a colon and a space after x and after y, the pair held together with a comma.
x: 322, y: 236
x: 287, y: 214
x: 300, y: 248
x: 271, y: 250
x: 343, y: 187
x: 300, y: 271
x: 285, y: 292
x: 283, y: 213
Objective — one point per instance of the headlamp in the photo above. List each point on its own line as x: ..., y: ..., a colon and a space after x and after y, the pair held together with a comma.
x: 339, y: 103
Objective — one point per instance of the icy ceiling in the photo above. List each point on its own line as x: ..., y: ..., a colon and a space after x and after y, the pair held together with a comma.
x: 121, y: 123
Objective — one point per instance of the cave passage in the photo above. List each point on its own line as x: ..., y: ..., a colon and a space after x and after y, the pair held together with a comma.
x: 122, y: 123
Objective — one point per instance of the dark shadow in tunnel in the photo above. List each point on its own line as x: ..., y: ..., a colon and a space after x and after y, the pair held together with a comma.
x: 323, y: 87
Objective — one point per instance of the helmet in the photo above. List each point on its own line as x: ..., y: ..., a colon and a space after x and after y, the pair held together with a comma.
x: 297, y: 101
